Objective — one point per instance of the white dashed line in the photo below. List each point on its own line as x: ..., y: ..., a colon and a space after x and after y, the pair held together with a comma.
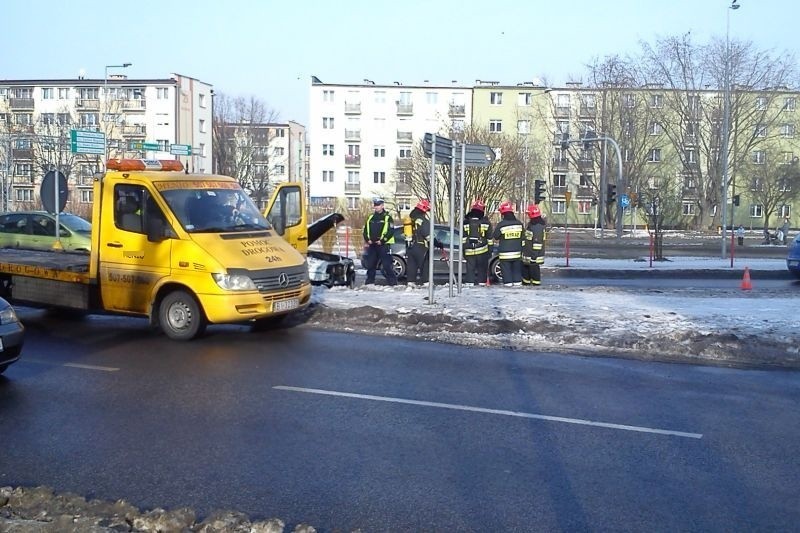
x: 518, y: 414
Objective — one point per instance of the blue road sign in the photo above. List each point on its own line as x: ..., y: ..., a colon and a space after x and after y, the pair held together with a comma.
x: 624, y: 200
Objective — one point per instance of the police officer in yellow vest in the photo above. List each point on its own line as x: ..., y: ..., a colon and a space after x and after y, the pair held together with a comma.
x: 379, y: 235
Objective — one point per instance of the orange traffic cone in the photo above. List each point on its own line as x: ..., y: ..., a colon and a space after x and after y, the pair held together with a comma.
x: 746, y: 285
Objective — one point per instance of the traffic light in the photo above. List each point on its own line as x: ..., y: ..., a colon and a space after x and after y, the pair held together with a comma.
x: 611, y: 194
x: 538, y: 191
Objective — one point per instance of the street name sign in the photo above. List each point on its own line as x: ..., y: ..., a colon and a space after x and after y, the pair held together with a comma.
x: 180, y: 149
x: 87, y: 142
x: 138, y: 145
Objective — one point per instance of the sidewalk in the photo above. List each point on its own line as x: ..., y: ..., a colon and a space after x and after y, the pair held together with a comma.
x: 698, y: 267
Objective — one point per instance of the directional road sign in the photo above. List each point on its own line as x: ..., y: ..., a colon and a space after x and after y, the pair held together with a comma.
x: 444, y: 147
x: 145, y: 146
x: 180, y: 149
x: 87, y: 142
x: 476, y: 155
x: 624, y: 200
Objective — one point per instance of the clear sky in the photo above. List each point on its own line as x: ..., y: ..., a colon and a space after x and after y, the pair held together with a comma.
x: 270, y: 49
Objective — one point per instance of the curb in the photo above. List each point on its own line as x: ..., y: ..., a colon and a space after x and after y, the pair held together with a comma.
x: 734, y: 273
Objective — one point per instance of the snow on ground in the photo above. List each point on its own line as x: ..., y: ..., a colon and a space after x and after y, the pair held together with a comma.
x: 728, y: 326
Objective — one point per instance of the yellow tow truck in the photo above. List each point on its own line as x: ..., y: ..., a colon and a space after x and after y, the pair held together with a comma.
x: 183, y: 250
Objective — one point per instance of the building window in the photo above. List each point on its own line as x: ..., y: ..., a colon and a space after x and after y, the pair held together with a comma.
x: 759, y: 157
x: 654, y: 156
x: 457, y: 125
x: 496, y: 98
x: 379, y: 151
x: 756, y: 211
x: 584, y: 181
x: 761, y: 103
x: 688, y: 209
x: 785, y: 211
x: 379, y: 177
x: 559, y: 180
x: 495, y: 126
x: 689, y: 182
x: 584, y: 207
x: 657, y: 100
x: 353, y: 177
x: 327, y: 123
x: 558, y: 207
x: 63, y: 93
x: 202, y: 125
x: 201, y: 100
x: 87, y: 196
x: 524, y: 99
x: 281, y: 132
x: 790, y: 104
x: 327, y: 96
x: 48, y: 118
x: 327, y: 149
x: 654, y: 128
x: 47, y: 93
x: 787, y: 131
x: 162, y: 93
x: 64, y: 119
x: 761, y: 130
x: 23, y: 169
x: 405, y: 153
x: 352, y: 202
x: 327, y: 176
x: 201, y: 149
x: 89, y: 119
x: 694, y: 102
x: 629, y: 100
x: 691, y: 156
x: 524, y: 127
x: 432, y: 98
x: 23, y: 195
x: 279, y: 151
x: 380, y: 97
x: 627, y: 155
x: 280, y: 169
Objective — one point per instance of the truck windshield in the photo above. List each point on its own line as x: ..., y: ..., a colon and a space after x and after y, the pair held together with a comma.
x: 214, y: 208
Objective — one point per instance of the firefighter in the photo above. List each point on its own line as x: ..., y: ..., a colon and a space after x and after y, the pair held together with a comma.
x: 533, y: 250
x: 509, y: 236
x: 417, y: 255
x: 379, y: 235
x: 475, y: 242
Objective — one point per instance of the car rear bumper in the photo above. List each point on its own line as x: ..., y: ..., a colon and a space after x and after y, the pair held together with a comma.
x: 12, y: 336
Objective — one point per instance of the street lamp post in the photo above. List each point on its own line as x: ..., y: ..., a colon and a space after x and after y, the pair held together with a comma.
x: 726, y: 119
x: 106, y: 99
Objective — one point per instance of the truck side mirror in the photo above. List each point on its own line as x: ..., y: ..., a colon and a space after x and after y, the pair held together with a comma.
x: 155, y: 229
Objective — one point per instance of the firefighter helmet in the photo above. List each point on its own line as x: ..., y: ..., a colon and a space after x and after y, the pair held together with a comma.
x: 478, y: 205
x: 424, y: 205
x: 534, y: 211
x: 506, y: 207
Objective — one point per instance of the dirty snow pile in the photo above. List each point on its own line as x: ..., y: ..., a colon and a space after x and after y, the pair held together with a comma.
x: 716, y: 326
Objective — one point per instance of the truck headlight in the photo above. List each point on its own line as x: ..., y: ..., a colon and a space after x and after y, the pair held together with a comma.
x: 234, y: 282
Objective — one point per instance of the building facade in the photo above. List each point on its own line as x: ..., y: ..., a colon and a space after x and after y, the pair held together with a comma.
x: 139, y: 117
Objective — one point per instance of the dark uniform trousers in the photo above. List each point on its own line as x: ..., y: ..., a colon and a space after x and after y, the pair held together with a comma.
x: 417, y: 256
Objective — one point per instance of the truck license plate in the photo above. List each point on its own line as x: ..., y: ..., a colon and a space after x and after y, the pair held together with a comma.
x: 286, y: 305
x: 793, y: 263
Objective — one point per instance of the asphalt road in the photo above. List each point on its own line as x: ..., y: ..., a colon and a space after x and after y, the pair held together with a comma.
x: 348, y: 431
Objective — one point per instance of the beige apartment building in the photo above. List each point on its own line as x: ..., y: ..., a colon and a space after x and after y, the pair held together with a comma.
x: 139, y: 117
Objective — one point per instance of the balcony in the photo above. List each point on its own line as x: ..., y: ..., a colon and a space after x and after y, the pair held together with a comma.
x: 457, y: 110
x: 21, y: 128
x: 402, y: 189
x: 22, y: 153
x: 87, y: 103
x: 560, y: 163
x: 586, y: 111
x: 352, y: 160
x: 558, y: 190
x: 22, y: 179
x: 134, y: 131
x: 20, y: 103
x: 352, y: 188
x: 405, y: 109
x: 352, y: 135
x: 403, y: 163
x: 352, y: 109
x: 558, y: 136
x: 405, y: 136
x: 134, y: 105
x: 585, y: 164
x: 585, y: 192
x: 690, y: 140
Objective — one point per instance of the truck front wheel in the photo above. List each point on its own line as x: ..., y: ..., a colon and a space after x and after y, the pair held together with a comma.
x: 180, y: 317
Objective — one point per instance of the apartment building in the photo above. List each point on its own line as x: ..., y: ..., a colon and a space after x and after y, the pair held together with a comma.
x: 139, y: 117
x: 362, y: 137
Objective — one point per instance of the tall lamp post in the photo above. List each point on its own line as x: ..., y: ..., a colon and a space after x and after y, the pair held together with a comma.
x: 106, y: 99
x: 726, y: 119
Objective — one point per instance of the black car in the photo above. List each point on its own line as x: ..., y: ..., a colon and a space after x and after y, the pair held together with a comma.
x: 441, y: 264
x: 11, y: 335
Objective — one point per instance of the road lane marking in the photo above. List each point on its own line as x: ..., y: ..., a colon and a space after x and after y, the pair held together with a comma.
x: 518, y: 414
x: 71, y: 365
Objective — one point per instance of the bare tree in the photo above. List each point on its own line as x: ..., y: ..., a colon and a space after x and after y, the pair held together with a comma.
x: 242, y: 133
x: 775, y: 182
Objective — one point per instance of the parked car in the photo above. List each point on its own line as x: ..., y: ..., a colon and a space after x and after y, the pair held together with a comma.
x: 440, y: 258
x: 793, y: 257
x: 12, y: 334
x: 36, y: 230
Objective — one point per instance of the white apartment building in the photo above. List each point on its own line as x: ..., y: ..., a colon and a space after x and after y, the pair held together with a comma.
x: 140, y: 118
x: 361, y: 137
